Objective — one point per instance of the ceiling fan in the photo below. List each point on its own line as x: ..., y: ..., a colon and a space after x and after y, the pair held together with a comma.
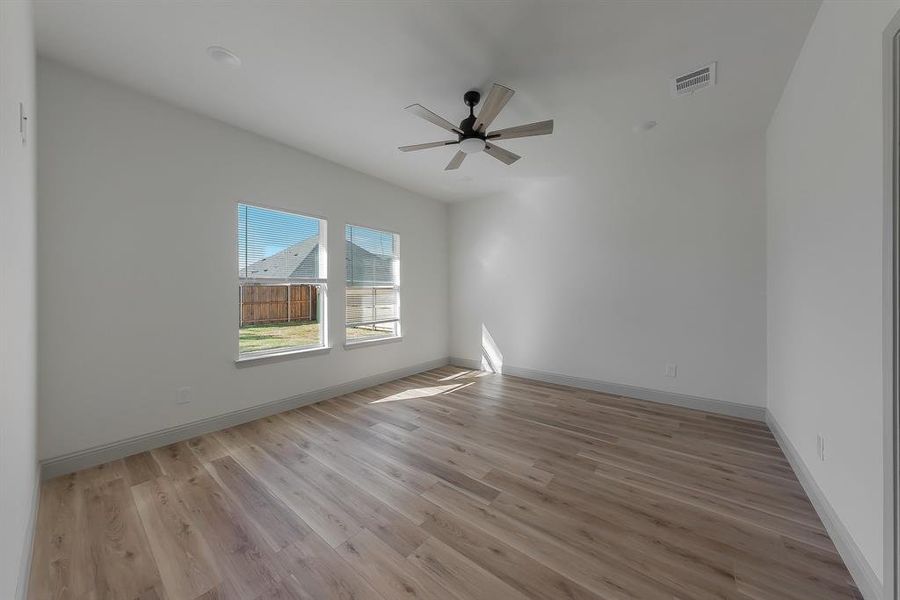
x: 472, y: 131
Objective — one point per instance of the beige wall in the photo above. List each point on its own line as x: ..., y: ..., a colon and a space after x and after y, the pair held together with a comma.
x: 655, y: 256
x: 136, y: 208
x: 18, y: 436
x: 824, y: 184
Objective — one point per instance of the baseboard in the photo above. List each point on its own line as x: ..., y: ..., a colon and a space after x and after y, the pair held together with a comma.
x: 863, y: 574
x: 97, y: 455
x: 466, y: 363
x: 28, y: 543
x: 732, y: 409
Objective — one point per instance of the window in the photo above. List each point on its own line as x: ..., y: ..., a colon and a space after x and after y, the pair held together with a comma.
x: 373, y: 284
x: 281, y: 275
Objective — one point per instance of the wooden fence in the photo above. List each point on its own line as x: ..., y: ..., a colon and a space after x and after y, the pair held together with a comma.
x: 278, y: 303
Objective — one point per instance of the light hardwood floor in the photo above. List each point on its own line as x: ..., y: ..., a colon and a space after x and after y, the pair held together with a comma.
x: 450, y: 484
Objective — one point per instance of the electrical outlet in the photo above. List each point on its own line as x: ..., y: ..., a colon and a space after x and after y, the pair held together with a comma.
x: 671, y: 370
x: 820, y: 447
x: 182, y: 395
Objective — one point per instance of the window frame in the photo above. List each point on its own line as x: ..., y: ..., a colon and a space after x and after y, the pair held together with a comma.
x: 398, y: 336
x: 322, y: 282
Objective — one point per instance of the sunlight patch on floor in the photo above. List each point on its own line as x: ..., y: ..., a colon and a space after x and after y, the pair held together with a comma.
x: 423, y: 392
x: 464, y: 375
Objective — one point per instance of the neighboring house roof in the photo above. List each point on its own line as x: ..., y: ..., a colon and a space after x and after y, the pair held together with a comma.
x: 301, y: 260
x: 367, y: 268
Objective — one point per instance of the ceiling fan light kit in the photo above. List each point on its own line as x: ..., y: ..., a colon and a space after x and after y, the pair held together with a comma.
x: 472, y: 145
x: 472, y: 134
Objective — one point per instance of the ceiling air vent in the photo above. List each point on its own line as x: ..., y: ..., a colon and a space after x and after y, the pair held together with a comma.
x: 695, y: 80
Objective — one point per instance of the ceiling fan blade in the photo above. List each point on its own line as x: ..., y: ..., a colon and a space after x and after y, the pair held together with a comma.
x: 493, y: 104
x: 539, y: 128
x: 501, y: 154
x: 455, y: 161
x: 421, y: 111
x: 427, y: 146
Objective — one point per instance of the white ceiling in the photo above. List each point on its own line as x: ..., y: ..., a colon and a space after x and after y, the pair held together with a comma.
x: 332, y: 78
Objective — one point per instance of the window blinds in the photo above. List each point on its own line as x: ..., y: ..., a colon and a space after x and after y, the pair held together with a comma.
x: 373, y: 279
x: 278, y: 246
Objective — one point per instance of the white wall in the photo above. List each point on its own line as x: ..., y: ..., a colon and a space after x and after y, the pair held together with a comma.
x: 654, y: 254
x: 138, y: 275
x: 18, y: 436
x: 825, y: 199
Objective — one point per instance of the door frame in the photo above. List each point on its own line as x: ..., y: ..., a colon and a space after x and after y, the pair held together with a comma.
x: 891, y: 307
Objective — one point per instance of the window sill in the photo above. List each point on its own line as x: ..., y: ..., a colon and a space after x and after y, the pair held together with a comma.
x: 286, y: 354
x: 375, y: 342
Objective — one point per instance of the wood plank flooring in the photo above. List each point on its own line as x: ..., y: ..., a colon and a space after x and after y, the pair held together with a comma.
x: 448, y: 485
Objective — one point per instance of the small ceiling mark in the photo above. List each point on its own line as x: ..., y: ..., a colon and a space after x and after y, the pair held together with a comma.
x: 224, y: 56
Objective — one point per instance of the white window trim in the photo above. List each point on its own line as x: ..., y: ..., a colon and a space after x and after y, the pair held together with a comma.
x: 296, y: 351
x: 373, y: 342
x: 397, y: 337
x: 249, y: 357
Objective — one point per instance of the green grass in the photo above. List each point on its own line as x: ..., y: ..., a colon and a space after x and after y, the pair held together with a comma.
x: 276, y: 336
x: 272, y: 336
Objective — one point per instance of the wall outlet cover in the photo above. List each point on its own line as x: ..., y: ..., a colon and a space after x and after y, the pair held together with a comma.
x: 182, y: 395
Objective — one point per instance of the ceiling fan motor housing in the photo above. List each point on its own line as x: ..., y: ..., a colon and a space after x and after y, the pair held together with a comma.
x: 467, y: 125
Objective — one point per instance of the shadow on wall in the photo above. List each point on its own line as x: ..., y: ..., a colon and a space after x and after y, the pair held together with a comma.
x: 491, y: 357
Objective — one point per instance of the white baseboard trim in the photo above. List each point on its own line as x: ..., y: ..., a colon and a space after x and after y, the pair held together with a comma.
x: 466, y: 363
x: 82, y: 459
x: 28, y: 543
x: 863, y: 574
x: 723, y: 407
